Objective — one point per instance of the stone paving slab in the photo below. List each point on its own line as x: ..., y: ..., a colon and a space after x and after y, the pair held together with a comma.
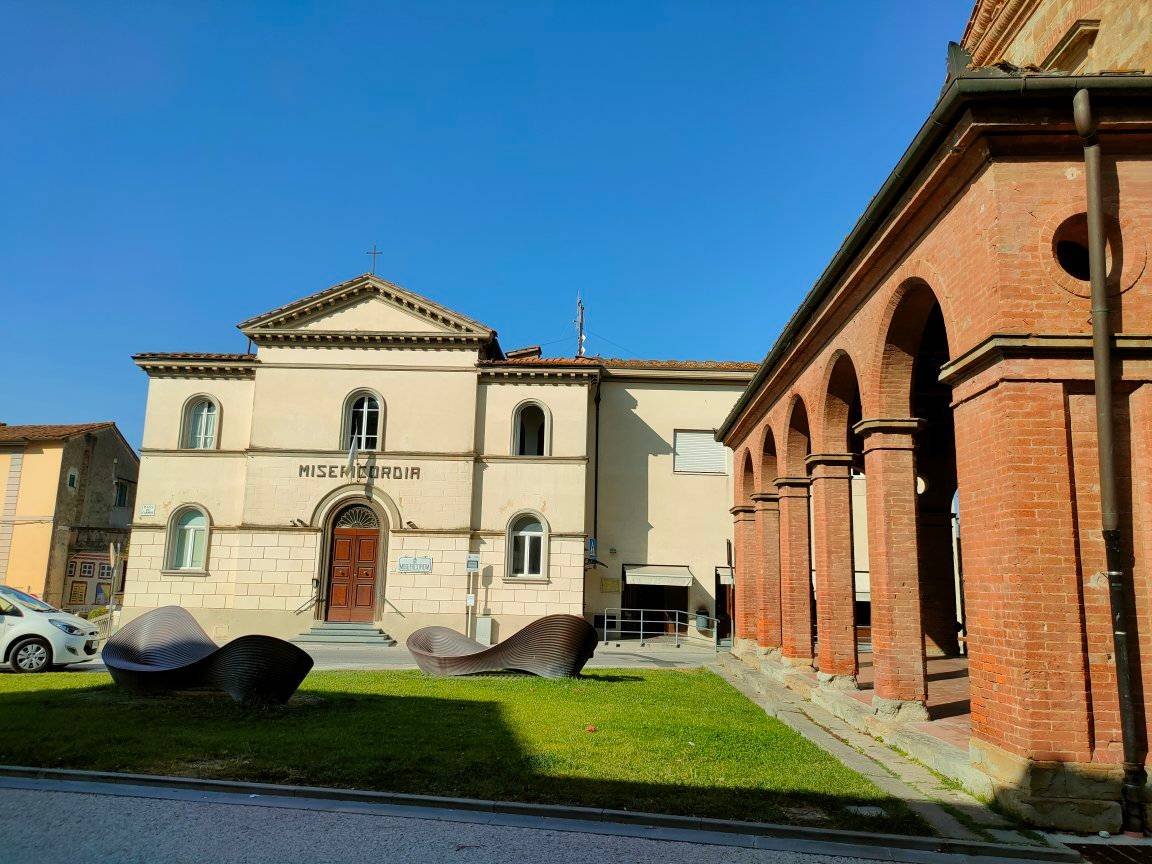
x: 935, y: 801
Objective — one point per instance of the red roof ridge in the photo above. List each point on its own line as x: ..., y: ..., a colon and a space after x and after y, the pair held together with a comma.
x: 49, y: 431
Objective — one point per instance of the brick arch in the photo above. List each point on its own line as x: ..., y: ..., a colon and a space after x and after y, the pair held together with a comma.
x: 841, y: 407
x: 747, y: 485
x: 902, y: 328
x: 798, y: 439
x: 769, y: 459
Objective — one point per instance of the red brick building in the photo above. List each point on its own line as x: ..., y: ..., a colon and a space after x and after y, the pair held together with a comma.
x: 946, y: 356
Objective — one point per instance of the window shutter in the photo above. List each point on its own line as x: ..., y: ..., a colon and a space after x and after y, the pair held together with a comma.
x: 699, y: 453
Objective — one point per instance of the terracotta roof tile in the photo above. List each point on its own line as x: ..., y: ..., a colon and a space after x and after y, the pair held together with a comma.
x: 722, y: 365
x: 542, y: 361
x: 619, y: 363
x: 191, y: 355
x: 49, y: 432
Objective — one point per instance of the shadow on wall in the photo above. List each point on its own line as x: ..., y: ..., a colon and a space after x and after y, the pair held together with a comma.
x: 625, y: 518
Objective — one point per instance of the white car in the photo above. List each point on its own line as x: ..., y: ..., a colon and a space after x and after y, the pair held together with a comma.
x: 35, y: 636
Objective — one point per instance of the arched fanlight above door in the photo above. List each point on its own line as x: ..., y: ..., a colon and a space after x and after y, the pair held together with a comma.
x: 357, y: 516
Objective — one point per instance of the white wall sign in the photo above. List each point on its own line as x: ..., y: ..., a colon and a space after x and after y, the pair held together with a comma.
x: 147, y: 509
x: 414, y: 564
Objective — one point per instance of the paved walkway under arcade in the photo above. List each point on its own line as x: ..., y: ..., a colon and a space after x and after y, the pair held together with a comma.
x: 949, y: 701
x: 941, y: 743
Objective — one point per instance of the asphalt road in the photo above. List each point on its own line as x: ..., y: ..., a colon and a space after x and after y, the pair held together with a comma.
x: 55, y: 827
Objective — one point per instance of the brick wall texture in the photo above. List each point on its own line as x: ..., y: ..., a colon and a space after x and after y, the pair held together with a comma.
x: 973, y: 243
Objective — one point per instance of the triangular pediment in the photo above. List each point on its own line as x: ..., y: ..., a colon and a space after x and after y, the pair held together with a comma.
x: 365, y: 307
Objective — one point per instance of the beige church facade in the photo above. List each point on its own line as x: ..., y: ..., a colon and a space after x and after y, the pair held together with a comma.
x: 380, y: 460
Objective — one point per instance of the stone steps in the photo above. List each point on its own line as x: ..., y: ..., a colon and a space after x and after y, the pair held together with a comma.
x: 335, y: 633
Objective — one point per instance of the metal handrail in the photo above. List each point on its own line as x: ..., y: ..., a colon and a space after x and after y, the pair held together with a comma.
x: 681, y: 620
x: 310, y: 602
x: 105, y: 624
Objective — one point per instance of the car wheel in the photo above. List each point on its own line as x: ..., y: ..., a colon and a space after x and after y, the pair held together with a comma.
x: 30, y: 655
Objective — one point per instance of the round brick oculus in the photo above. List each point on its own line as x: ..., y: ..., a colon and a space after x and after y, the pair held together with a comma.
x: 1065, y: 256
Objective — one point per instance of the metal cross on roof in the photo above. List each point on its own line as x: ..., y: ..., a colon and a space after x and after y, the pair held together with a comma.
x: 374, y: 253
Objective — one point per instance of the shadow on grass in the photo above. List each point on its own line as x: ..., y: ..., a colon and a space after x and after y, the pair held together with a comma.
x: 457, y: 740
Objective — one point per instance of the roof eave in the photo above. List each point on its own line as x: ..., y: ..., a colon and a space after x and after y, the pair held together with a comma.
x: 958, y: 93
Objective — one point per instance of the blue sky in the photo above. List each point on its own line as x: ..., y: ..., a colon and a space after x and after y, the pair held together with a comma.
x: 170, y: 169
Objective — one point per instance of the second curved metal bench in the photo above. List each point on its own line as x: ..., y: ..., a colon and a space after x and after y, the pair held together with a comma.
x: 556, y: 646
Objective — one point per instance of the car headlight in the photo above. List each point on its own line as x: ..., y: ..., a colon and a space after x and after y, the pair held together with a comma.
x: 70, y: 629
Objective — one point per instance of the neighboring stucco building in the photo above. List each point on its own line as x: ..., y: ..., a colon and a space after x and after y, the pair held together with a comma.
x: 945, y: 359
x: 254, y: 514
x: 68, y: 493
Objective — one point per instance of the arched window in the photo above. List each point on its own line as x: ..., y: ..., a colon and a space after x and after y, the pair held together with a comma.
x: 188, y: 539
x: 202, y: 418
x: 527, y: 544
x: 362, y: 422
x: 530, y: 436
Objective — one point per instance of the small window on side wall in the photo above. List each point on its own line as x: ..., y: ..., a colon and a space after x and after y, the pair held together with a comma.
x: 527, y: 547
x: 188, y: 540
x: 698, y: 452
x: 531, y: 430
x: 200, y: 424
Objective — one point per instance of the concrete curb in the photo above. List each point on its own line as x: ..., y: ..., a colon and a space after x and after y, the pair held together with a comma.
x: 882, y: 846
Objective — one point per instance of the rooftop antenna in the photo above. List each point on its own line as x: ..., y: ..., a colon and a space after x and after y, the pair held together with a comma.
x: 580, y: 337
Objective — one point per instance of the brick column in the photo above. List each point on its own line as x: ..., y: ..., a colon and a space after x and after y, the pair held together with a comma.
x: 768, y: 527
x: 897, y: 634
x: 795, y: 572
x: 744, y: 627
x: 835, y: 575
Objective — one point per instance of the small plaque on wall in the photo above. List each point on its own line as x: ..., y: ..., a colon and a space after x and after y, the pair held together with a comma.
x: 609, y: 586
x: 414, y: 564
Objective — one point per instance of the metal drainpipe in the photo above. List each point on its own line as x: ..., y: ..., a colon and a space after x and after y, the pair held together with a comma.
x: 1135, y: 777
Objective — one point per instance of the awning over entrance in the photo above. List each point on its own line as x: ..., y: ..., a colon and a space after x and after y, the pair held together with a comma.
x: 726, y: 575
x: 669, y: 575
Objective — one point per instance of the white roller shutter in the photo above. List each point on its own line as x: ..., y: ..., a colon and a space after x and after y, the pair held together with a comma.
x: 698, y: 452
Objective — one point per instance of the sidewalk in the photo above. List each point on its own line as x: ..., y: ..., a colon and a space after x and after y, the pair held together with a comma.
x: 397, y: 657
x: 951, y: 811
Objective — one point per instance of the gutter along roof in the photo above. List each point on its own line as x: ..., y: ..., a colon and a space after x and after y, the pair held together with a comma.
x: 967, y: 87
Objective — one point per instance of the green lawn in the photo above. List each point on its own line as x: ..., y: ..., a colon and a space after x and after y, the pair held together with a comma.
x: 680, y: 742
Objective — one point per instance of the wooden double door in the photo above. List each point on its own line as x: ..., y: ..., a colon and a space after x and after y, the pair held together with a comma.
x: 352, y: 575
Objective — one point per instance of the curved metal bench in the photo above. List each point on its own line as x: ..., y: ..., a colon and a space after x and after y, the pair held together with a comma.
x: 556, y: 646
x: 165, y: 650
